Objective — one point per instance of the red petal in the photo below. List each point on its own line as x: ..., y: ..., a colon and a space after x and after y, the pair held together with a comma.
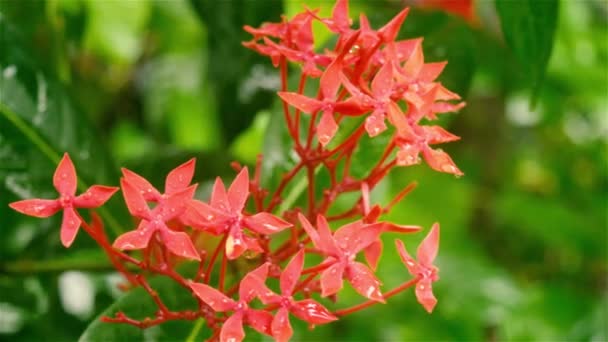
x: 424, y: 294
x: 180, y: 177
x: 398, y: 119
x: 312, y: 312
x: 37, y: 207
x: 235, y: 244
x: 355, y: 236
x: 430, y: 71
x: 382, y: 84
x: 218, y: 301
x: 427, y: 250
x: 415, y: 62
x: 64, y: 178
x: 95, y: 196
x: 179, y: 243
x: 219, y: 197
x: 339, y: 15
x: 142, y: 185
x: 265, y: 223
x: 232, y: 330
x: 137, y: 239
x: 281, y: 328
x: 438, y: 135
x: 301, y: 102
x: 390, y: 31
x: 176, y: 203
x: 331, y: 279
x: 252, y: 284
x: 259, y: 320
x: 239, y: 191
x: 330, y: 80
x: 400, y: 228
x: 408, y: 261
x: 291, y: 273
x: 135, y: 201
x: 364, y: 281
x: 326, y: 240
x: 408, y: 154
x: 310, y: 231
x: 440, y: 161
x: 202, y: 215
x: 374, y: 123
x: 69, y: 226
x: 372, y: 254
x: 405, y: 48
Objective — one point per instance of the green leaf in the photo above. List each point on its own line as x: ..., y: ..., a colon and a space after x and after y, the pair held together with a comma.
x: 529, y: 28
x: 138, y: 304
x: 39, y: 123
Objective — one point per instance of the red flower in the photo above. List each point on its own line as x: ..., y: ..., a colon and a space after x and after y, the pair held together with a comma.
x: 307, y: 310
x: 423, y: 268
x: 155, y: 220
x: 250, y: 286
x: 341, y: 249
x: 224, y: 214
x: 177, y: 180
x: 65, y: 182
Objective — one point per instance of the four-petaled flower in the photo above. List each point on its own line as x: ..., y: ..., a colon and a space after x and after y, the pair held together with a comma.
x: 250, y: 286
x: 224, y: 215
x: 65, y: 182
x: 423, y: 268
x: 307, y: 310
x: 341, y: 249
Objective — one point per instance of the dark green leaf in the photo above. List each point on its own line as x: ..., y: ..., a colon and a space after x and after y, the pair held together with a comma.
x: 529, y: 28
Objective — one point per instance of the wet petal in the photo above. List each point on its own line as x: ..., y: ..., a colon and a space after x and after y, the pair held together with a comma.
x: 415, y: 62
x: 219, y: 197
x: 364, y: 281
x: 331, y: 279
x: 281, y: 328
x: 37, y: 207
x: 235, y: 244
x: 232, y: 330
x: 440, y: 161
x: 291, y: 273
x: 265, y: 223
x: 179, y: 243
x: 176, y: 203
x: 69, y: 226
x: 372, y: 253
x: 253, y: 285
x: 180, y: 177
x: 64, y: 178
x: 326, y: 239
x: 408, y: 154
x: 201, y: 215
x: 218, y: 301
x: 408, y: 261
x: 424, y: 294
x: 327, y: 127
x: 355, y: 236
x: 330, y: 80
x: 312, y: 312
x: 310, y: 231
x: 147, y: 190
x: 301, y: 102
x: 430, y: 71
x: 239, y: 191
x: 374, y: 123
x: 382, y: 84
x: 437, y: 135
x: 95, y: 196
x: 259, y: 320
x: 391, y: 29
x: 136, y: 239
x: 134, y: 199
x: 427, y: 250
x: 340, y: 16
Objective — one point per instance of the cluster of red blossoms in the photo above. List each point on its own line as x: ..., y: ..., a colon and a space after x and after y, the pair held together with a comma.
x: 369, y: 80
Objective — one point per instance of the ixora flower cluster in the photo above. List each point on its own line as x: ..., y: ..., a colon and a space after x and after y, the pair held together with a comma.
x: 369, y: 81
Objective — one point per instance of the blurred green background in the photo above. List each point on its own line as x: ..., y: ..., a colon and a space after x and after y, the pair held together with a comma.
x: 149, y: 84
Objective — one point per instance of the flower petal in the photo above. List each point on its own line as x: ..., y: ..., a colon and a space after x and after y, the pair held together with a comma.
x: 301, y: 102
x: 239, y: 191
x: 408, y: 154
x: 180, y: 177
x: 265, y: 223
x: 218, y: 301
x: 440, y: 161
x: 37, y: 207
x: 219, y: 197
x: 339, y: 16
x: 281, y: 328
x: 427, y: 250
x: 179, y: 243
x: 437, y: 135
x: 408, y: 261
x: 235, y: 243
x: 391, y: 29
x: 364, y: 281
x: 382, y: 84
x: 327, y: 127
x: 326, y: 240
x: 259, y: 320
x: 374, y: 123
x: 372, y: 253
x: 430, y: 71
x: 134, y: 199
x: 330, y: 80
x: 142, y: 185
x: 424, y: 294
x: 331, y: 279
x: 232, y: 330
x: 95, y: 196
x: 64, y: 178
x: 415, y: 62
x: 355, y: 236
x: 136, y: 239
x: 312, y: 312
x: 69, y: 226
x: 291, y: 273
x: 176, y: 203
x: 252, y: 284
